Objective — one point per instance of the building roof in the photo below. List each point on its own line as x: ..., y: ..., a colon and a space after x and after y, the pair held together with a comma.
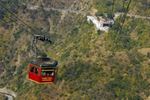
x: 99, y: 22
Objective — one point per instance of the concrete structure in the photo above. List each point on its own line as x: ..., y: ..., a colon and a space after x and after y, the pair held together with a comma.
x: 100, y: 23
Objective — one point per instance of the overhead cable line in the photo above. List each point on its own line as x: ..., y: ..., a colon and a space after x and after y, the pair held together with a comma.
x: 14, y: 15
x: 123, y: 19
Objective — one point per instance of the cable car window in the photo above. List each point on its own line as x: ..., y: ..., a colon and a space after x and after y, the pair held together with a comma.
x: 32, y: 69
x: 36, y: 70
x: 47, y: 73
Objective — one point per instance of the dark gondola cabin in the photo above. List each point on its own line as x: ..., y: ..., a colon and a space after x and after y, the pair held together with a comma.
x: 43, y: 70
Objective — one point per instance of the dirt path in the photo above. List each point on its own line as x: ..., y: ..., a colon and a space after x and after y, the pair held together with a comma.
x: 59, y: 10
x: 133, y: 15
x: 81, y: 12
x: 138, y: 16
x: 67, y: 10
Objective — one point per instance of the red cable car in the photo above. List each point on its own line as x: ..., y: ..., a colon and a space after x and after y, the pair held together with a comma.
x: 43, y: 70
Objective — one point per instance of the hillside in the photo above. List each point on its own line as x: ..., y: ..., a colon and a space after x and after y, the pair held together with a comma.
x: 93, y: 65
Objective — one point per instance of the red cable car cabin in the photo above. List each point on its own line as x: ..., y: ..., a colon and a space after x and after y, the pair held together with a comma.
x: 43, y: 70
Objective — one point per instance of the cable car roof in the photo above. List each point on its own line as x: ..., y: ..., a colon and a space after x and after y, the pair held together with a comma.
x: 45, y: 62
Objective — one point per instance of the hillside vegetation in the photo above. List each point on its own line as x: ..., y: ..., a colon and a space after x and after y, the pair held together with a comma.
x: 93, y: 65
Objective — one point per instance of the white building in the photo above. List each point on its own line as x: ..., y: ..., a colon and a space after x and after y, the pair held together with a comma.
x: 100, y: 23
